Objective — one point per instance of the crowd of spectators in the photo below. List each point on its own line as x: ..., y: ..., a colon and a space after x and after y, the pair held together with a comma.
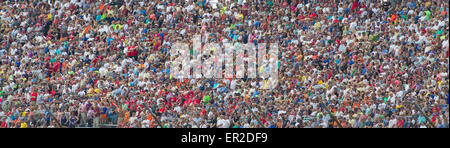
x: 342, y: 63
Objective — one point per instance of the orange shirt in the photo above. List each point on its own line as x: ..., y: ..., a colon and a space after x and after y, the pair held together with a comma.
x: 127, y: 119
x: 86, y: 29
x: 149, y: 117
x: 141, y: 65
x: 393, y: 17
x: 64, y: 64
x: 101, y: 6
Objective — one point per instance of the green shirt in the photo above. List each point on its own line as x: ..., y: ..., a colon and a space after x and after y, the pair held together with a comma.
x: 206, y: 99
x: 439, y: 32
x: 427, y: 15
x: 404, y: 16
x: 385, y: 99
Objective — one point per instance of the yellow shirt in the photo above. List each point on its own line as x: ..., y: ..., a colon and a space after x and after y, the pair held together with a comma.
x: 140, y: 65
x: 90, y: 91
x: 240, y: 16
x: 23, y: 125
x: 427, y: 4
x: 317, y: 25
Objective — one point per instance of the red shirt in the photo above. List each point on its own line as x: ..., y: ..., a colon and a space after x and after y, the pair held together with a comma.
x: 157, y: 45
x: 203, y: 112
x: 173, y: 99
x: 56, y: 67
x: 4, y: 125
x: 355, y: 4
x: 433, y: 119
x: 132, y: 53
x: 196, y: 101
x: 263, y: 120
x: 312, y: 15
x: 400, y: 123
x: 33, y: 96
x: 94, y: 61
x: 53, y: 92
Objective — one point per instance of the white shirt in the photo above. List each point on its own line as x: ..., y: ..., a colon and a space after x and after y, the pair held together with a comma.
x: 145, y: 124
x: 132, y: 119
x: 225, y: 123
